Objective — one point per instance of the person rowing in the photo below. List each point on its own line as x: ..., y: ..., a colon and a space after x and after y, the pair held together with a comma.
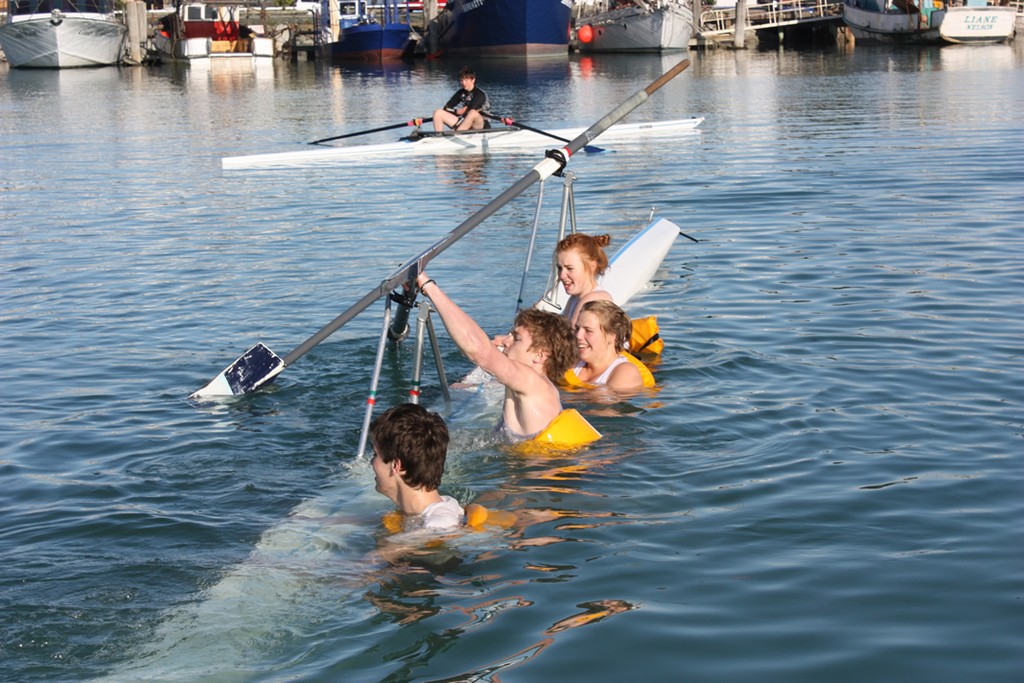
x: 602, y: 332
x: 533, y: 356
x: 580, y: 260
x: 465, y: 109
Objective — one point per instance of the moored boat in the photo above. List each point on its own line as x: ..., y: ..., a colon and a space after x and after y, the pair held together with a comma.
x: 902, y: 21
x: 60, y: 34
x: 508, y: 140
x: 634, y: 26
x: 360, y: 36
x: 202, y: 32
x: 502, y: 28
x: 978, y: 23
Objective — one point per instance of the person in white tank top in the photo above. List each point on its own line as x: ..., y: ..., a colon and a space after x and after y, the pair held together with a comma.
x: 602, y: 332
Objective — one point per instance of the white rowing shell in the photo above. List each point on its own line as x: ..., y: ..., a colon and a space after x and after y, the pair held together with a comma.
x: 496, y: 140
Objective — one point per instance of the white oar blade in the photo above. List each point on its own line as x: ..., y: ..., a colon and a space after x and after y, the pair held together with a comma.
x: 253, y: 369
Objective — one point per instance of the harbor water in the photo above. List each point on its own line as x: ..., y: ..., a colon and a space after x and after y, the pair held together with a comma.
x: 826, y: 484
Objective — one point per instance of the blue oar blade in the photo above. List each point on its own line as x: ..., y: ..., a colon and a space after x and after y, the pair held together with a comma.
x: 253, y: 369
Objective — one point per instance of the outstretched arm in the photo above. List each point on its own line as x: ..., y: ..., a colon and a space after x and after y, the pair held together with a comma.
x: 473, y: 341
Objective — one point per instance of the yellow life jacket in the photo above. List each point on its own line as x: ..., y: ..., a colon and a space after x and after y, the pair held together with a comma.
x: 646, y: 337
x: 645, y: 374
x: 477, y: 516
x: 568, y: 431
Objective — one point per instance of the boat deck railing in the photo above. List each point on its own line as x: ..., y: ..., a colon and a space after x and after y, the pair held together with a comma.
x: 778, y: 13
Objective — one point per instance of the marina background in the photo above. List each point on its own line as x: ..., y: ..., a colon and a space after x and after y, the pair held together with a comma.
x: 825, y: 487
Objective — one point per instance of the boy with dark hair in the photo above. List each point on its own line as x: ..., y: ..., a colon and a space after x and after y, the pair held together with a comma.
x: 465, y: 109
x: 410, y: 445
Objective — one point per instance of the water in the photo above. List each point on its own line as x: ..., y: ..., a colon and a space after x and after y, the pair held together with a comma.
x: 826, y: 485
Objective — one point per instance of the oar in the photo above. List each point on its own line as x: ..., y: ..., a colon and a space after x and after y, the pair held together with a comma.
x: 414, y: 122
x: 259, y: 365
x: 589, y: 149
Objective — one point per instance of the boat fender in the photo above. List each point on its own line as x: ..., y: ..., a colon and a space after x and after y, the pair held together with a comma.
x: 646, y: 376
x: 585, y: 34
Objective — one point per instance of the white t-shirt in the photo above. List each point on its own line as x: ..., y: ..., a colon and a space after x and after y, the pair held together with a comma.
x: 443, y: 515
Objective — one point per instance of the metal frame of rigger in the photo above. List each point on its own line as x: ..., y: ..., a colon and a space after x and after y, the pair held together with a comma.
x: 396, y: 327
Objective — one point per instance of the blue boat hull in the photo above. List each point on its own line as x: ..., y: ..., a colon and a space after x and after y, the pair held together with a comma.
x: 510, y: 28
x: 370, y: 42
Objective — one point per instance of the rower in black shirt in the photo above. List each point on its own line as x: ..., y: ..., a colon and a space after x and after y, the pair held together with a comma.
x: 463, y: 110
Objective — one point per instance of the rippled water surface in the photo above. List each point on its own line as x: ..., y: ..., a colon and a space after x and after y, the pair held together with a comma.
x: 825, y: 486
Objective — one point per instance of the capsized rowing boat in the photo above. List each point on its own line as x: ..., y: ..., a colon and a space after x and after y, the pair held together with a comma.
x: 505, y: 140
x: 630, y: 269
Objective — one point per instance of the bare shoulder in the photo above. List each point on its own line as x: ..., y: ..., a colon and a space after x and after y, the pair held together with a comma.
x: 625, y: 376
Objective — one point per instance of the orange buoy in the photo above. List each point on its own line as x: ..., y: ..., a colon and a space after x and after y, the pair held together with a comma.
x: 585, y: 33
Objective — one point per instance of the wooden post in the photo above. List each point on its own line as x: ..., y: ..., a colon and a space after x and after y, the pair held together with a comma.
x: 697, y: 7
x: 138, y: 29
x: 739, y: 38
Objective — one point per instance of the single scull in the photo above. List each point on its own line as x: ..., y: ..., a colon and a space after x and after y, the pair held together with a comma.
x: 505, y: 140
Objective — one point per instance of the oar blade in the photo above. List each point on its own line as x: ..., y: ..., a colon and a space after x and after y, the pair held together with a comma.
x: 253, y: 369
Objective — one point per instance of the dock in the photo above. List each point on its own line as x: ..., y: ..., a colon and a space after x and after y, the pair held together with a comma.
x: 778, y: 22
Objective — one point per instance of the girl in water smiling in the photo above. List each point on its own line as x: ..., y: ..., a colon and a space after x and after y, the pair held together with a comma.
x: 580, y: 260
x: 602, y: 332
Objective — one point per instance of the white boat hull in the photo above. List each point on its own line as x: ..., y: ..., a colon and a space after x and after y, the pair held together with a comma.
x: 495, y: 141
x: 634, y: 29
x: 62, y: 41
x: 870, y: 26
x: 978, y: 25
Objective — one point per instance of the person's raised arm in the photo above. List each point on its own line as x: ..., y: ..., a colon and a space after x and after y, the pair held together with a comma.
x: 473, y: 341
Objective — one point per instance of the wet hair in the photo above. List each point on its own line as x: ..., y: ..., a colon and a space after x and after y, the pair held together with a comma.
x: 613, y: 320
x: 551, y: 334
x: 591, y: 247
x: 416, y: 436
x: 467, y: 71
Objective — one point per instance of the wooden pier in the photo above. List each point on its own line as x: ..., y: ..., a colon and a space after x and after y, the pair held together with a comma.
x: 777, y: 22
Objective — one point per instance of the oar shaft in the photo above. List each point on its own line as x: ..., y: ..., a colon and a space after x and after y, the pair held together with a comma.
x: 411, y: 268
x: 248, y: 375
x: 617, y: 114
x: 413, y: 122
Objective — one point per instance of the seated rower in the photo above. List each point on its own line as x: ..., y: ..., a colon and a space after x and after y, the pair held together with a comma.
x: 410, y: 445
x: 602, y: 332
x: 536, y: 353
x: 466, y: 108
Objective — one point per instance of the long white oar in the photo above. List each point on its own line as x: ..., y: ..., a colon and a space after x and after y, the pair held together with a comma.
x: 259, y: 365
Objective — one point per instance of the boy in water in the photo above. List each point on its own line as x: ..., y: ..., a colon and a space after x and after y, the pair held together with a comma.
x: 538, y: 351
x: 410, y: 445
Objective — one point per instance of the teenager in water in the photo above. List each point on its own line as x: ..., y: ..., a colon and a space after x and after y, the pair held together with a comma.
x: 580, y: 260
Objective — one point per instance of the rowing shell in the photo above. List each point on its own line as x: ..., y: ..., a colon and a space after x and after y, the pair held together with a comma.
x: 508, y: 140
